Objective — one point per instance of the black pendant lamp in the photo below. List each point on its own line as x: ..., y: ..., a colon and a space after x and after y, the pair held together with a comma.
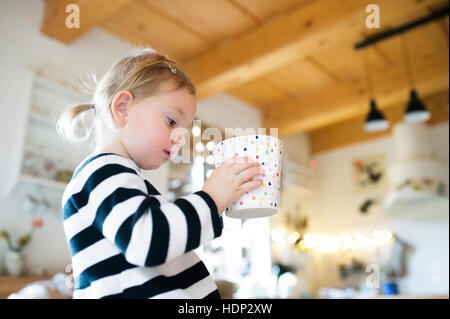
x: 416, y: 111
x: 375, y: 120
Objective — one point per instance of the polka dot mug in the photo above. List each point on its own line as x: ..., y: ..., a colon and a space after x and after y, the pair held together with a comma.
x: 266, y: 150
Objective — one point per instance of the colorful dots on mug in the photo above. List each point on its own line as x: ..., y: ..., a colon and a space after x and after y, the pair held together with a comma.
x: 266, y: 156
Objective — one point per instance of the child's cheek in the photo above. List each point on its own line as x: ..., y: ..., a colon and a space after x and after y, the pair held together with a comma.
x: 159, y: 140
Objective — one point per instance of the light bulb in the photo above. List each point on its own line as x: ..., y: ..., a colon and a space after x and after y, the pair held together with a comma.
x: 199, y: 146
x: 196, y: 131
x: 210, y: 160
x: 210, y: 145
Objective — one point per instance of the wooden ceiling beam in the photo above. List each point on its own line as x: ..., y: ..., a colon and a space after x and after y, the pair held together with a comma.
x: 342, y: 102
x: 277, y: 43
x: 91, y: 12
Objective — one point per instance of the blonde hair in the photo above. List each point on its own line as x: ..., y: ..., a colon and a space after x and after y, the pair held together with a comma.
x: 141, y: 73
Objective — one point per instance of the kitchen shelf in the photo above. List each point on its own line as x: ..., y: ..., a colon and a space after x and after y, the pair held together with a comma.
x: 42, y: 181
x: 41, y: 117
x: 40, y: 153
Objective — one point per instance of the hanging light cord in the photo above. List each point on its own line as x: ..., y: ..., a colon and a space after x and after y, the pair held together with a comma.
x: 368, y: 75
x: 408, y: 61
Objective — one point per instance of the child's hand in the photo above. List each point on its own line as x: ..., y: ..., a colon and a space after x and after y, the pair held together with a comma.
x: 230, y: 181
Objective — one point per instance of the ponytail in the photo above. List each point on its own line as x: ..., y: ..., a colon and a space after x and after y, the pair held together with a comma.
x: 73, y: 123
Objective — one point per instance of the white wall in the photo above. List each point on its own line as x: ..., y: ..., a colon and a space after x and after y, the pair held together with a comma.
x: 336, y: 211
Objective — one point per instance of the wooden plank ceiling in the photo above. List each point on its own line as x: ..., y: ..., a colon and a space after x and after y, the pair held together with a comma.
x: 292, y: 59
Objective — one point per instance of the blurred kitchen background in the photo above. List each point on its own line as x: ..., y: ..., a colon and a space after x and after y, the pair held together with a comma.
x: 360, y: 99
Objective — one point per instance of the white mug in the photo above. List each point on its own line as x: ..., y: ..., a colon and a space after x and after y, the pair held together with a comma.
x: 266, y: 150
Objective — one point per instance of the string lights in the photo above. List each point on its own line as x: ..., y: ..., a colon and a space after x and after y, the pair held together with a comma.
x: 330, y: 243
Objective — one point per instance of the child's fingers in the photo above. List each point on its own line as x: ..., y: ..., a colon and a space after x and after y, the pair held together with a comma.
x: 243, y: 163
x: 246, y: 174
x: 249, y: 186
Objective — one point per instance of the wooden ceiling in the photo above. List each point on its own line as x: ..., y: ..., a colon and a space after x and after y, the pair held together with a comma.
x: 292, y: 59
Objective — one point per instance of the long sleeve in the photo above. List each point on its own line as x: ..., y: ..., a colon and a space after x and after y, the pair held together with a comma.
x: 112, y: 198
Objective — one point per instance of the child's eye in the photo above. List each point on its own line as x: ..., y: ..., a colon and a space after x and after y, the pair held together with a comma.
x: 172, y: 122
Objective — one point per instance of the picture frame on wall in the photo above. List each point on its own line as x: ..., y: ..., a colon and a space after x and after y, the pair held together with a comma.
x: 370, y: 173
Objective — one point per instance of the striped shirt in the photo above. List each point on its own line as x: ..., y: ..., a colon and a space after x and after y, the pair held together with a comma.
x: 127, y: 241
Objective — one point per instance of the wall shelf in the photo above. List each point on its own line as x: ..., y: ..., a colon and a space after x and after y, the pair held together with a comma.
x: 44, y: 182
x: 41, y: 157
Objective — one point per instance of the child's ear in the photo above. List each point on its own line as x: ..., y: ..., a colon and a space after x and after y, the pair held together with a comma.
x: 119, y: 106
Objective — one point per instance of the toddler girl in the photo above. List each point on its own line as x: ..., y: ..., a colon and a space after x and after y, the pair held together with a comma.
x: 125, y: 239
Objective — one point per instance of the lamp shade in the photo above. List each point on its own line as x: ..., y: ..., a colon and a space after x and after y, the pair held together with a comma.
x: 416, y: 111
x: 375, y: 120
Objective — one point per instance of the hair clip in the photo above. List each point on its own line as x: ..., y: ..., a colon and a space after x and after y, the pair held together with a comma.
x: 172, y: 68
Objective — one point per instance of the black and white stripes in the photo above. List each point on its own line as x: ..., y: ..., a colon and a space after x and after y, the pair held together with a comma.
x: 127, y: 241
